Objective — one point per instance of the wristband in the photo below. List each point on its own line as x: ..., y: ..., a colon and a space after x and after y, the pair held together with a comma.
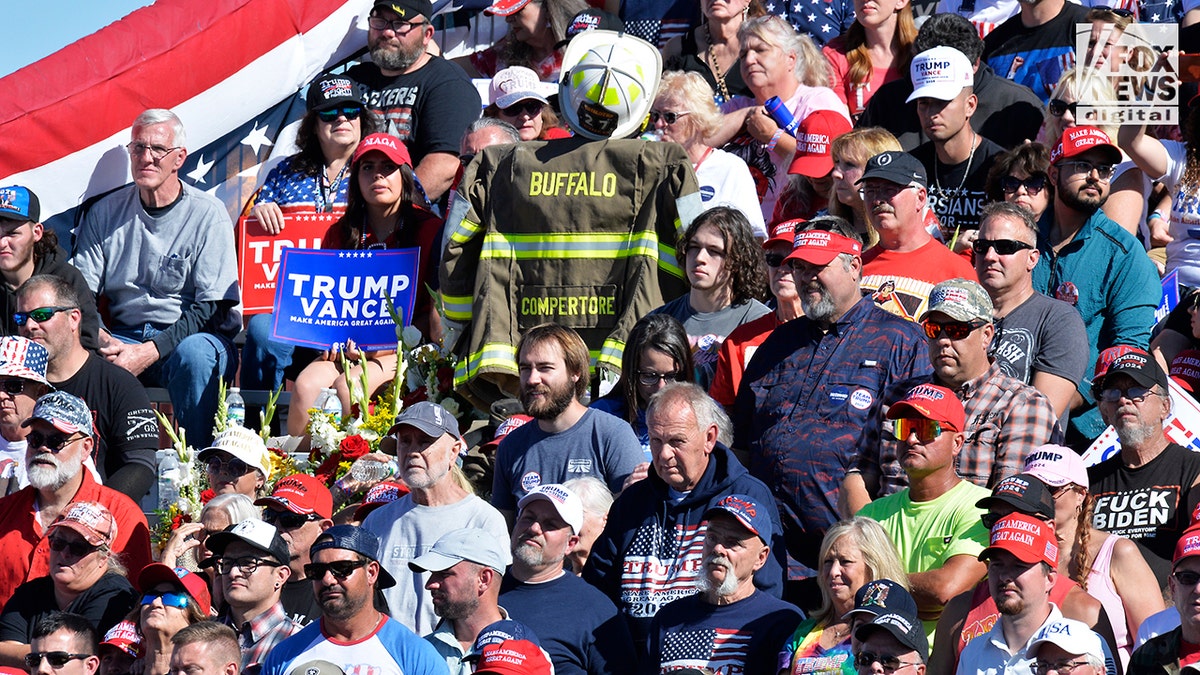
x: 1155, y: 214
x: 775, y: 140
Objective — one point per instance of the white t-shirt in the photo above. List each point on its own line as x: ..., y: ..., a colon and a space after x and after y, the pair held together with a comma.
x: 1183, y: 253
x: 725, y: 181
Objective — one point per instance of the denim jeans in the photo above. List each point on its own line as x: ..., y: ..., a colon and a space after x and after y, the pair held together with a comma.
x: 190, y: 375
x: 263, y: 359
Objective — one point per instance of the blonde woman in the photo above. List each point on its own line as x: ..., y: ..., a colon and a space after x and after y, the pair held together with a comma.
x: 776, y: 63
x: 850, y: 154
x: 853, y: 553
x: 684, y: 113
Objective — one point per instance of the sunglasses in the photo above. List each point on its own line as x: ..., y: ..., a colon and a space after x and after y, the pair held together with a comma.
x: 530, y: 106
x: 13, y: 386
x: 286, y: 520
x: 77, y: 549
x: 1033, y: 185
x: 349, y: 112
x: 55, y: 659
x: 1186, y: 577
x: 1135, y: 394
x: 668, y: 117
x: 52, y: 442
x: 1002, y: 246
x: 890, y: 663
x: 40, y: 315
x: 340, y: 569
x: 234, y: 467
x: 926, y: 430
x: 1059, y: 107
x: 775, y: 259
x: 169, y: 599
x: 955, y: 330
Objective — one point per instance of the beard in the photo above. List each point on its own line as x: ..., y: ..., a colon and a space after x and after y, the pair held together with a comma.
x: 399, y: 58
x: 421, y: 479
x: 1134, y: 435
x: 535, y: 557
x: 820, y: 309
x: 727, y: 587
x: 1076, y: 200
x: 46, y: 478
x: 343, y: 608
x: 548, y: 407
x: 1011, y: 606
x: 455, y: 610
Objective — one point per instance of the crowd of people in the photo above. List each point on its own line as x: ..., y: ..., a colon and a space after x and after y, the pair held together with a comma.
x: 811, y: 323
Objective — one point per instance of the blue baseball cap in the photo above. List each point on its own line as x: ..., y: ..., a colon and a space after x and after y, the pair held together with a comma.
x: 353, y: 538
x: 746, y: 511
x: 67, y: 413
x: 497, y: 632
x: 18, y: 202
x: 883, y: 596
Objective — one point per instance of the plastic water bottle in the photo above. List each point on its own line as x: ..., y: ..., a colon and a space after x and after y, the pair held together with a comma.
x: 371, y: 471
x: 329, y: 402
x: 169, y: 477
x: 235, y: 407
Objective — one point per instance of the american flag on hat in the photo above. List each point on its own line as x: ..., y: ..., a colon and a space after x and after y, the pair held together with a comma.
x: 24, y: 358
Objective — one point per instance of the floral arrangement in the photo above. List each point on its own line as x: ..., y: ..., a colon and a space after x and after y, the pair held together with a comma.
x: 190, y: 480
x: 423, y: 373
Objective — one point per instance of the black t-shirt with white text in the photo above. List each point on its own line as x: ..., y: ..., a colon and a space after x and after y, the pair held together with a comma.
x: 428, y: 109
x: 1152, y: 504
x: 957, y: 192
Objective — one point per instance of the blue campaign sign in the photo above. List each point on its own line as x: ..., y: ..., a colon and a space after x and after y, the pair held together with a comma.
x: 324, y: 298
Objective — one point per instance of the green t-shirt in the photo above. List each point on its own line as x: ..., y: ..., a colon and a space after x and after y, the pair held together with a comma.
x: 927, y: 534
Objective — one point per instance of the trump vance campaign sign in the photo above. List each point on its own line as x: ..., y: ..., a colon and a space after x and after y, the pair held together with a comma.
x: 324, y: 298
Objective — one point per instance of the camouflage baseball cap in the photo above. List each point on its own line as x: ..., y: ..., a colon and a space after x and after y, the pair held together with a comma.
x: 961, y: 300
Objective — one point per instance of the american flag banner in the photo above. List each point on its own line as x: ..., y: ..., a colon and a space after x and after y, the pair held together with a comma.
x: 232, y: 70
x: 722, y: 650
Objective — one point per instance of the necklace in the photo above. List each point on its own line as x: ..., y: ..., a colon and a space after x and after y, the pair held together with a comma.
x: 723, y: 94
x: 937, y: 183
x: 327, y: 190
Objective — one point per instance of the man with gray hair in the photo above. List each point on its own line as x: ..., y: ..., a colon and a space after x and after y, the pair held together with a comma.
x: 162, y: 253
x: 650, y: 552
x: 811, y: 399
x: 485, y: 132
x: 1037, y: 337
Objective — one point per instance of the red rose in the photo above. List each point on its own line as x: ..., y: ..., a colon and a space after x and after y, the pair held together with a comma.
x: 445, y: 377
x: 353, y: 447
x: 415, y: 397
x: 207, y: 495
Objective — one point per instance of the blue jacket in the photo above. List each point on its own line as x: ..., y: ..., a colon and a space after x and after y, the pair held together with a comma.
x: 1105, y: 273
x: 650, y: 551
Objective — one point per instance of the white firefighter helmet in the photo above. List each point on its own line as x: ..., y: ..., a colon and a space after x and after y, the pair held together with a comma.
x: 609, y: 82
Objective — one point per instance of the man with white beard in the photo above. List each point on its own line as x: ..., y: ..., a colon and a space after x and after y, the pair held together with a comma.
x: 1147, y: 491
x: 729, y: 626
x: 811, y: 400
x: 577, y: 625
x: 60, y: 438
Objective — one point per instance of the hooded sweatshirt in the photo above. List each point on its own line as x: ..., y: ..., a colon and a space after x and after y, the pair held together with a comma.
x: 651, y: 550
